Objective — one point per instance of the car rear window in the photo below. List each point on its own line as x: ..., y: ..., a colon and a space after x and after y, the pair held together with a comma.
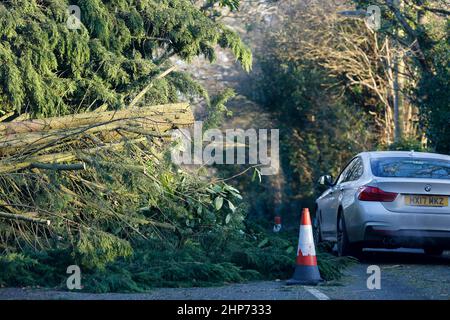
x: 411, y: 168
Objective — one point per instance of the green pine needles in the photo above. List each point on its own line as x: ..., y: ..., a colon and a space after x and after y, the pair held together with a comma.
x: 47, y: 69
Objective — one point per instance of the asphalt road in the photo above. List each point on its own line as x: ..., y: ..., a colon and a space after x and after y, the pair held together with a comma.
x: 405, y: 275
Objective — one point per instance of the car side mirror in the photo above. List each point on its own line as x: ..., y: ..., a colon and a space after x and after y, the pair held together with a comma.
x: 326, y: 181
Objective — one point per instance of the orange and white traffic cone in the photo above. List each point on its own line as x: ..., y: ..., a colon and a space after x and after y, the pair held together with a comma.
x: 306, y: 270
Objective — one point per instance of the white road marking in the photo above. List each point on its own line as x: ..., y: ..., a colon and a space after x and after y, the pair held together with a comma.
x: 316, y: 293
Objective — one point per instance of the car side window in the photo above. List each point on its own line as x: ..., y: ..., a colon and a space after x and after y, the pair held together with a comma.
x: 356, y: 171
x: 344, y: 174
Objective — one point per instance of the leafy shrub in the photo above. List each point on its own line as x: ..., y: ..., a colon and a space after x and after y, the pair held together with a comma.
x: 406, y: 144
x: 224, y: 258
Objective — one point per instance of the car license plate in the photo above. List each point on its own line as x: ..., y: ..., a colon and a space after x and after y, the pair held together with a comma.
x: 426, y: 201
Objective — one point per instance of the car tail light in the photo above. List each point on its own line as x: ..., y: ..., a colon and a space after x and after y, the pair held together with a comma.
x: 368, y: 193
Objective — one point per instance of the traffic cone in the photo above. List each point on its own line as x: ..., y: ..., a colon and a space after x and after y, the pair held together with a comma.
x: 306, y: 270
x: 277, y: 226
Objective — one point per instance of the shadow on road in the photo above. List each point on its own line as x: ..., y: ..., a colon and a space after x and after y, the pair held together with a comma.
x: 403, y: 256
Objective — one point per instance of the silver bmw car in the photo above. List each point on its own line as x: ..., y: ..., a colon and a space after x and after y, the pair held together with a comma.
x: 387, y: 199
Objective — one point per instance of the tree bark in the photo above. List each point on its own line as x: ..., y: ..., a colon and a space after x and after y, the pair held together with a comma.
x: 151, y: 121
x: 177, y: 114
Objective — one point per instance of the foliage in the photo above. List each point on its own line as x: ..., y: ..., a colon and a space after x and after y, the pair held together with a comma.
x: 99, y: 215
x: 350, y: 52
x: 132, y: 221
x: 45, y: 268
x: 216, y: 258
x: 330, y: 86
x: 99, y: 212
x: 435, y: 97
x: 48, y: 69
x: 217, y: 109
x: 17, y: 269
x: 421, y: 28
x: 152, y: 213
x: 321, y: 130
x: 406, y: 145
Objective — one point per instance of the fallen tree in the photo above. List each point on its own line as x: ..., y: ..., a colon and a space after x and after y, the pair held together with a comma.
x: 68, y: 175
x: 111, y: 202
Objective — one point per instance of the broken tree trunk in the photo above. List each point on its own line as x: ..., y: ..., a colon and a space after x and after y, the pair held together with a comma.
x: 173, y: 115
x: 151, y: 121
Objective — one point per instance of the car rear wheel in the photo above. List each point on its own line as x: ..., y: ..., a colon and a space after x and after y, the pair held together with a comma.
x: 434, y: 251
x: 344, y: 246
